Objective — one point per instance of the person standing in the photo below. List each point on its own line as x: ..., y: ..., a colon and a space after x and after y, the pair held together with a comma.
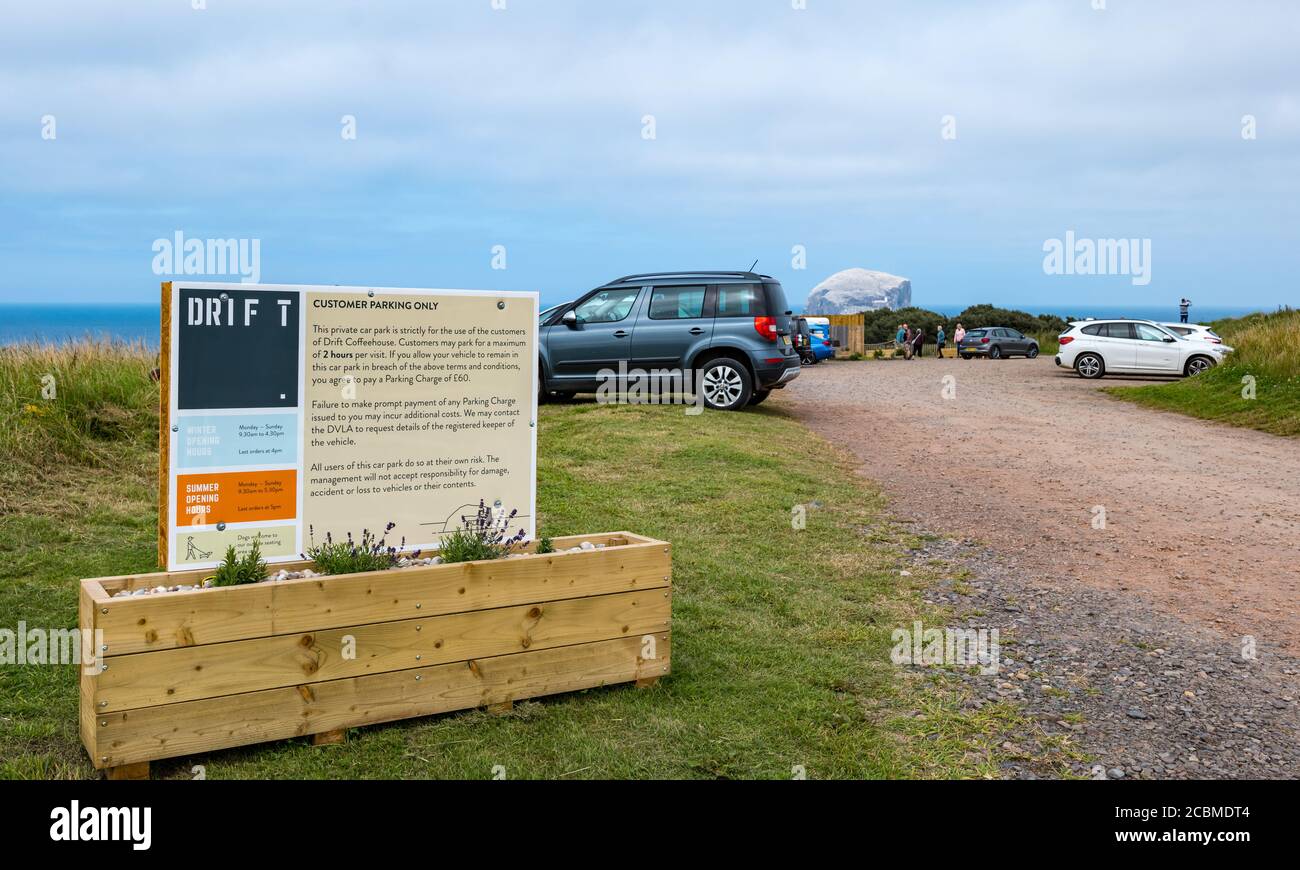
x: 900, y: 337
x: 918, y: 342
x: 958, y: 336
x: 940, y: 339
x: 1183, y: 307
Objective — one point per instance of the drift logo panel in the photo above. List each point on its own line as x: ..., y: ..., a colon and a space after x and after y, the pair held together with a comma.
x: 237, y: 349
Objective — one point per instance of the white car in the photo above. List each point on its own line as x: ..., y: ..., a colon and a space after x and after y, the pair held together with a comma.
x: 1095, y: 347
x: 1196, y: 332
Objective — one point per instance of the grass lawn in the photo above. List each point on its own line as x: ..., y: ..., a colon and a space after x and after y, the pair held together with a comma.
x: 1257, y: 387
x: 781, y: 636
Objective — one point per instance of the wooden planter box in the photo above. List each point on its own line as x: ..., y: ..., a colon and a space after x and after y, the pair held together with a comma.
x: 188, y: 672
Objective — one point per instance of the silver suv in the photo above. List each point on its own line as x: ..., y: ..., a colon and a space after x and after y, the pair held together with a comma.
x: 730, y: 330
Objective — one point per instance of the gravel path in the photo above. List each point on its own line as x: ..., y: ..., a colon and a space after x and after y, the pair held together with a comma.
x: 1128, y: 635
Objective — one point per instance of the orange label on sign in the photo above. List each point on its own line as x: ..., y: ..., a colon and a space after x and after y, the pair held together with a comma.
x: 236, y: 497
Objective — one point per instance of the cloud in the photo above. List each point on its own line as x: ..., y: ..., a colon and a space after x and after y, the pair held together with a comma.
x: 830, y: 115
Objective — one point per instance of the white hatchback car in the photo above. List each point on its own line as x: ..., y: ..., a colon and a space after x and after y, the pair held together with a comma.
x: 1094, y: 347
x: 1196, y: 332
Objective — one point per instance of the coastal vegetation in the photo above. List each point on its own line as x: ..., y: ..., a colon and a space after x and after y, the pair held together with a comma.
x: 1258, y: 386
x: 781, y: 629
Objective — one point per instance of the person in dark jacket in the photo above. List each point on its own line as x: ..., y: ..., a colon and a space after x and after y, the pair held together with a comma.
x: 918, y: 342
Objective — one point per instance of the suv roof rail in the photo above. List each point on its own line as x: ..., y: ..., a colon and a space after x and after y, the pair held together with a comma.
x: 708, y: 274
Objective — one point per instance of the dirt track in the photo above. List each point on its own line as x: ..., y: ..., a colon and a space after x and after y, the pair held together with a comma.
x: 1129, y: 638
x: 1202, y: 520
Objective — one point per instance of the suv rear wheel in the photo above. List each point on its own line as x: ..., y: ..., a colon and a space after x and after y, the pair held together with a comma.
x: 726, y: 384
x: 1090, y: 366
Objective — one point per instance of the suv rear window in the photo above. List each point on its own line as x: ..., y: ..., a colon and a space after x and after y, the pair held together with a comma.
x: 977, y: 333
x: 1095, y: 329
x: 677, y: 303
x: 751, y: 300
x: 742, y: 300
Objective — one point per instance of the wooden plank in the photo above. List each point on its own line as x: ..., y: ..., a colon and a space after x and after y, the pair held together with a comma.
x: 139, y: 770
x: 86, y: 623
x: 164, y: 421
x: 330, y: 738
x: 366, y: 598
x: 180, y: 619
x: 212, y: 670
x: 132, y: 582
x: 219, y: 723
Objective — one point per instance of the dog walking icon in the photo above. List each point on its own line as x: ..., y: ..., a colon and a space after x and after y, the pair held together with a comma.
x: 193, y: 553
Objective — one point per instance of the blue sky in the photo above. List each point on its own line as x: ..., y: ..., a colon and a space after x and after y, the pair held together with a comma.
x: 774, y: 127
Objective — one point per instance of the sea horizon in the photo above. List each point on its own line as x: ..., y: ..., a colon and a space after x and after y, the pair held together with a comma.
x: 59, y: 323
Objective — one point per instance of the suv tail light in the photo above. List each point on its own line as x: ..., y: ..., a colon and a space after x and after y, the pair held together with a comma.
x: 984, y: 341
x: 1066, y: 339
x: 766, y: 327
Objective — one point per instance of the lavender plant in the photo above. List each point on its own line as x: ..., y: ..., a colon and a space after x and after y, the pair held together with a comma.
x: 483, y: 535
x: 351, y: 556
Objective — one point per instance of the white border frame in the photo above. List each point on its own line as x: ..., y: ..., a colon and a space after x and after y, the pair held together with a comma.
x: 174, y: 415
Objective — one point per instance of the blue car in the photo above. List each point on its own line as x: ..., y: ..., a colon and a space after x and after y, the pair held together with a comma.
x: 823, y: 348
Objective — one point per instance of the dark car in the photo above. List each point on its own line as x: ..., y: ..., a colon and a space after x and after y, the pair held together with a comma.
x: 996, y: 342
x: 731, y: 329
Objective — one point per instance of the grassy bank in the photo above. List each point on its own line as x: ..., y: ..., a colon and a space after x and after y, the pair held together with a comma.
x: 1267, y: 358
x: 781, y: 636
